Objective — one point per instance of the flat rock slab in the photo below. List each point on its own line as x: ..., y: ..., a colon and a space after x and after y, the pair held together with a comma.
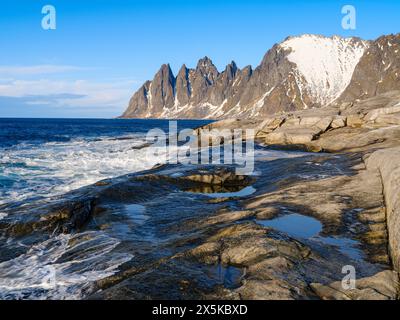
x: 382, y: 286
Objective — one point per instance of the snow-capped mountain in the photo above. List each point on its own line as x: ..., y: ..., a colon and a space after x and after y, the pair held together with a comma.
x: 301, y: 72
x: 326, y: 64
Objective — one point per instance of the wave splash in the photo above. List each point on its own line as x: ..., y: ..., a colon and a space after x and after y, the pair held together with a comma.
x: 63, y: 267
x: 54, y: 168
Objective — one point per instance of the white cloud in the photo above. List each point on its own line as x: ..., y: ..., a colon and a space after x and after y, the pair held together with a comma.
x: 92, y: 94
x: 29, y: 86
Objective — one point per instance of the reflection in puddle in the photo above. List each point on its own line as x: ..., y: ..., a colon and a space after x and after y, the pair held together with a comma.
x: 223, y: 192
x: 345, y: 245
x: 295, y: 225
x: 228, y: 276
x: 214, y: 189
x: 176, y: 175
x: 299, y: 226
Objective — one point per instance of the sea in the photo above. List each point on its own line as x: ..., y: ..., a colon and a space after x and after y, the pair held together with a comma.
x: 47, y: 157
x: 44, y: 158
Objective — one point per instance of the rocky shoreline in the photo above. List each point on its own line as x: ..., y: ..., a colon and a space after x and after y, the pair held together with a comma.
x: 203, y: 232
x: 368, y: 131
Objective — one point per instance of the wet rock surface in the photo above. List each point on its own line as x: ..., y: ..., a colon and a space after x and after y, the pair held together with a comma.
x: 358, y: 203
x: 173, y: 240
x: 203, y: 232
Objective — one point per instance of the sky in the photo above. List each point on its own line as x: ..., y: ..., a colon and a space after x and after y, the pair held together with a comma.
x: 103, y: 50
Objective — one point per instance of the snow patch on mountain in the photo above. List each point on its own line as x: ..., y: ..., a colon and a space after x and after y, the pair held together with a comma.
x: 327, y: 64
x: 149, y: 100
x: 260, y: 103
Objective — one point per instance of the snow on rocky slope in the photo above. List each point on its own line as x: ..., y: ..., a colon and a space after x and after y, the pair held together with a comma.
x: 308, y: 71
x: 327, y: 64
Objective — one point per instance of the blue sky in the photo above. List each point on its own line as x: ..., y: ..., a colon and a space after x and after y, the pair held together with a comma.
x: 102, y: 51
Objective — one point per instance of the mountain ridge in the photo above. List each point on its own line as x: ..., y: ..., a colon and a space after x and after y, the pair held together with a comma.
x: 306, y: 71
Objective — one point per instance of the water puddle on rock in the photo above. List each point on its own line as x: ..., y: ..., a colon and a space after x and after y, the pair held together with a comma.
x: 304, y: 227
x: 136, y: 213
x: 295, y: 225
x: 347, y: 246
x: 128, y: 222
x: 223, y: 192
x: 228, y: 276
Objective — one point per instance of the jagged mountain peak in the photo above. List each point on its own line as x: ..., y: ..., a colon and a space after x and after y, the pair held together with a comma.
x: 247, y: 68
x: 183, y: 67
x: 233, y: 64
x: 165, y: 69
x: 206, y: 65
x: 183, y: 70
x: 205, y: 74
x: 204, y: 62
x: 388, y: 37
x: 304, y: 71
x: 231, y: 70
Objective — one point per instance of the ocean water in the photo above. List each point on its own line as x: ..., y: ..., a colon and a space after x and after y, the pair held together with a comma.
x: 40, y: 158
x: 45, y: 157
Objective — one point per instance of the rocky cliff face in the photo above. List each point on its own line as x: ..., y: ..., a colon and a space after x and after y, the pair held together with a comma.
x: 300, y: 73
x: 378, y: 70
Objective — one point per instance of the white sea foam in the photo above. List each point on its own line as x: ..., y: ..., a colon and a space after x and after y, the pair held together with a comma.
x: 63, y: 267
x: 55, y: 168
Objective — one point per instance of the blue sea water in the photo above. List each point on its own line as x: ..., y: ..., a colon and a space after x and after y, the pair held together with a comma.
x: 42, y: 157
